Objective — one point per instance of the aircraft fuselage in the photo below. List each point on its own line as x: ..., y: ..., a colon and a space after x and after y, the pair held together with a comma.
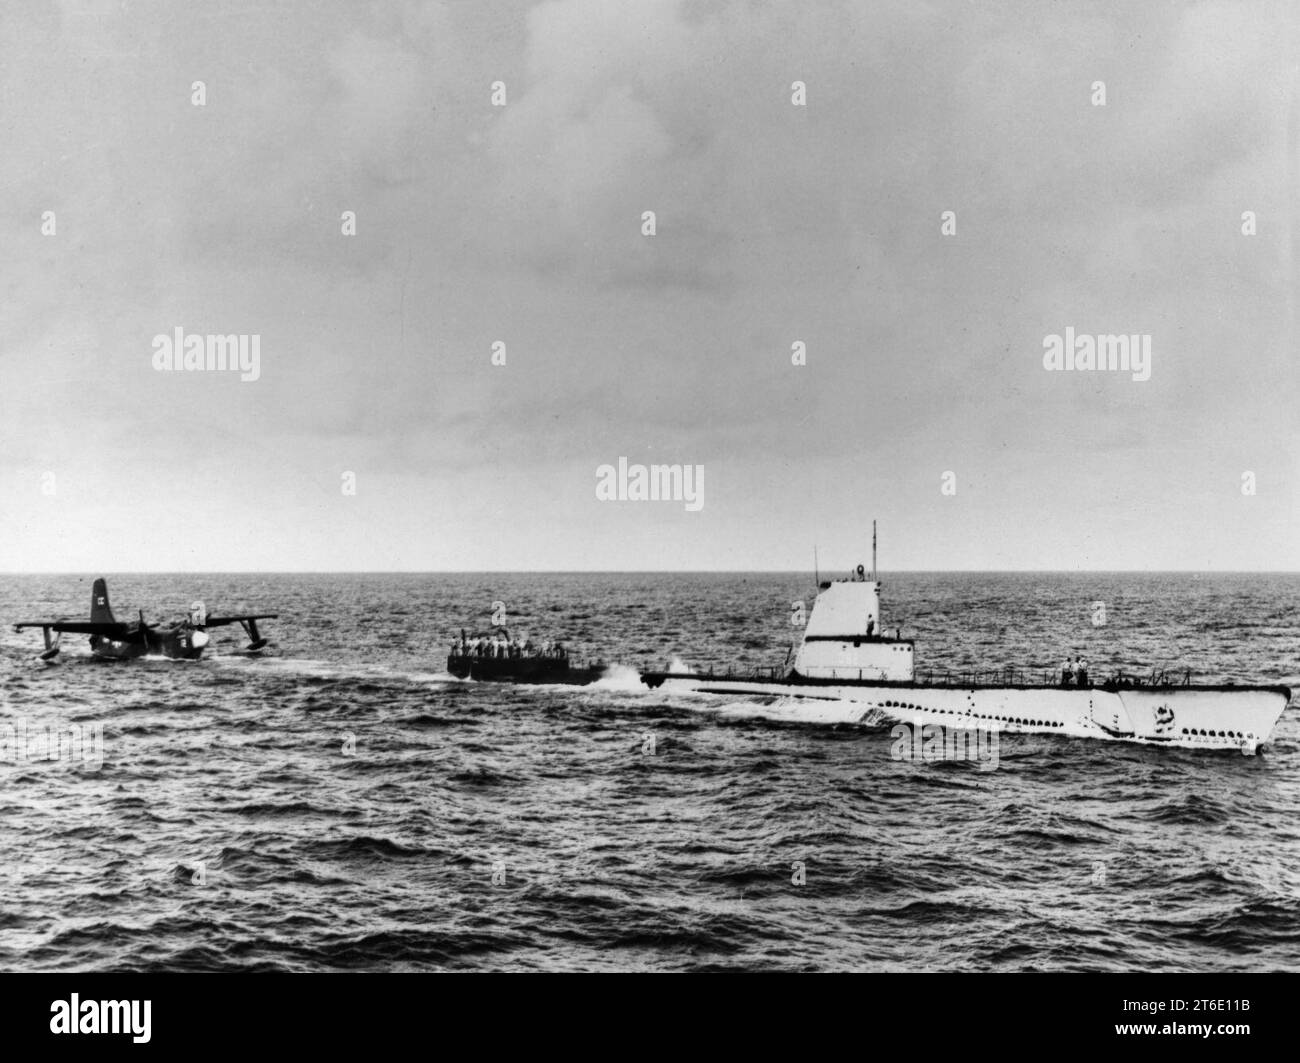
x: 178, y: 642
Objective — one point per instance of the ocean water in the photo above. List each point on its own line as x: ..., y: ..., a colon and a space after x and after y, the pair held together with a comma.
x: 346, y: 805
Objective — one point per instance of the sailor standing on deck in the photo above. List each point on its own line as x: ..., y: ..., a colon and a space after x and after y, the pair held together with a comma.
x: 1081, y: 671
x: 1067, y: 672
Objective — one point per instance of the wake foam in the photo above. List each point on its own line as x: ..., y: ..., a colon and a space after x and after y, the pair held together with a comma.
x: 619, y: 677
x: 802, y: 710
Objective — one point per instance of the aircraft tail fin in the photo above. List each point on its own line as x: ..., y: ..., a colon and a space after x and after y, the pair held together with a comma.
x: 100, y: 611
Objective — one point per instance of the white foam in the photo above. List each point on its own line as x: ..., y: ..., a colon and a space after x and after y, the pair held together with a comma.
x: 619, y: 677
x: 437, y: 677
x: 801, y: 710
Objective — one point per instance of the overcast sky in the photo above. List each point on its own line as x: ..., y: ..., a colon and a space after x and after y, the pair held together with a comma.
x: 523, y: 224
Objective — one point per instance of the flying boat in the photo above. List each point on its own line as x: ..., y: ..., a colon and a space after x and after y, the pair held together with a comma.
x: 120, y: 640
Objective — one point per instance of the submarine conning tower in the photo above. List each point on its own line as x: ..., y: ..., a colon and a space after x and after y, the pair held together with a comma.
x: 843, y: 640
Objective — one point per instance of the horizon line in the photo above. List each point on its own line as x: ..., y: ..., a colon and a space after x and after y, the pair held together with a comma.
x: 637, y: 572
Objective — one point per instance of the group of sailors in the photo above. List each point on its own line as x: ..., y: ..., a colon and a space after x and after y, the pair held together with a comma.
x: 1074, y: 672
x: 497, y: 647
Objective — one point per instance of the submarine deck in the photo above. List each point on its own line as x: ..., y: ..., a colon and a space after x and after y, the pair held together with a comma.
x: 1003, y: 679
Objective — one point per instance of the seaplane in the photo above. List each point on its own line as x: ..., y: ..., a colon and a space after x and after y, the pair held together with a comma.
x: 847, y: 670
x: 113, y: 639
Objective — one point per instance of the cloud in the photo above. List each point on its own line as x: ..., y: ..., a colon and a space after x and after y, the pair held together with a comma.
x: 523, y: 224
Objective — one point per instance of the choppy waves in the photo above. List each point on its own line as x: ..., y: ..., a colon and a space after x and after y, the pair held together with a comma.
x: 347, y: 804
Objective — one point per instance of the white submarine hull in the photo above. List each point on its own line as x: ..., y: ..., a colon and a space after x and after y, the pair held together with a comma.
x: 848, y: 671
x: 1195, y: 717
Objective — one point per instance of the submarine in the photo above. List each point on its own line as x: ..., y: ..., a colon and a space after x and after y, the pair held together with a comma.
x: 846, y: 670
x: 493, y: 659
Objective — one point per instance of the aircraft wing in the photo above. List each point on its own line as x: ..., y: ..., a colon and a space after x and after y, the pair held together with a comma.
x: 81, y: 627
x: 220, y: 621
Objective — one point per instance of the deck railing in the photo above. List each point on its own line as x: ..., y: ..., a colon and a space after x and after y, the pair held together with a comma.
x: 999, y: 677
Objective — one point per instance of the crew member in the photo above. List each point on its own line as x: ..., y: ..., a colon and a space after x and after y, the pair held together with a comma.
x: 1081, y: 670
x: 1067, y: 672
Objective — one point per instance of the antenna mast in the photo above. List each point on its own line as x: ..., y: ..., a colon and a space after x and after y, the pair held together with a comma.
x: 873, y: 549
x: 816, y: 573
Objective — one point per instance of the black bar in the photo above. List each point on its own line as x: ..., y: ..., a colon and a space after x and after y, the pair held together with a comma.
x: 1016, y: 1014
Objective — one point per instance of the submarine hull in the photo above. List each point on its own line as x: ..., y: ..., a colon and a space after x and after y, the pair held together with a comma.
x: 1191, y: 716
x: 523, y: 670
